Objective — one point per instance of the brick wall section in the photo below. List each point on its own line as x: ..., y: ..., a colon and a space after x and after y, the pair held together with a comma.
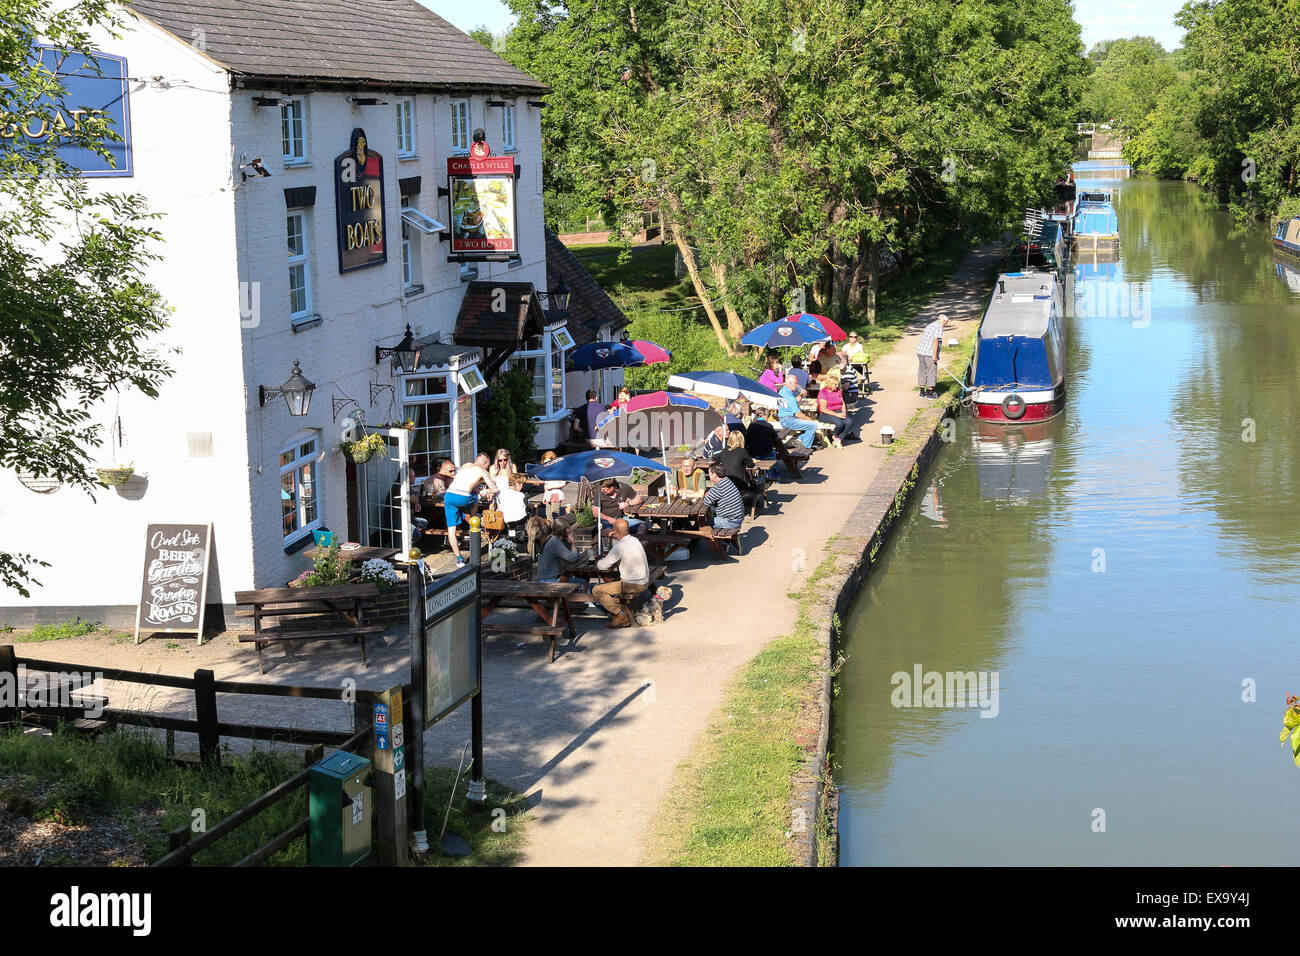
x: 854, y: 550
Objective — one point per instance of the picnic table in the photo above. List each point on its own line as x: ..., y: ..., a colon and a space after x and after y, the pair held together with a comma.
x: 666, y: 512
x: 548, y: 598
x: 311, y: 614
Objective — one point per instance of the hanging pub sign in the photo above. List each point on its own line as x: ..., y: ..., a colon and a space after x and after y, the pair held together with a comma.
x: 484, y: 214
x: 359, y: 194
x: 94, y: 88
x: 175, y: 579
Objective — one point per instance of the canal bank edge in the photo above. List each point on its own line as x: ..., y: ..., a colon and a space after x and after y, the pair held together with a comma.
x: 851, y: 554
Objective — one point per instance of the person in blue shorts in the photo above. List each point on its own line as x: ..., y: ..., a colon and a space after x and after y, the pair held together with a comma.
x: 463, y: 496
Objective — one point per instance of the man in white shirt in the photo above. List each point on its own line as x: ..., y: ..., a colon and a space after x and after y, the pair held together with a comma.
x: 633, y: 570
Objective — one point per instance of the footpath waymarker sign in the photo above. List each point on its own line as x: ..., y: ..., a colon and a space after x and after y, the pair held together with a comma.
x: 390, y: 777
x: 175, y: 580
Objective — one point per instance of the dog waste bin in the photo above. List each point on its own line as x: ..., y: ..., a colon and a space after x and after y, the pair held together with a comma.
x: 340, y: 804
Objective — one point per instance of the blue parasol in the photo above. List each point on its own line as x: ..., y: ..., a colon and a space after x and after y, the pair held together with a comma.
x: 597, y: 355
x: 783, y: 334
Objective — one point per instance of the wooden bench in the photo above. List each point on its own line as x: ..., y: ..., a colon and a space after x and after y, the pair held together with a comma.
x: 552, y: 634
x: 719, y: 541
x: 316, y: 614
x: 659, y: 546
x: 657, y: 573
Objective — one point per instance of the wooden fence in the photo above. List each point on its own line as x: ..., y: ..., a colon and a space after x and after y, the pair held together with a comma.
x: 183, y: 843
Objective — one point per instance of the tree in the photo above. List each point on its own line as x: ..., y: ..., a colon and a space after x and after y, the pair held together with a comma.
x: 77, y: 316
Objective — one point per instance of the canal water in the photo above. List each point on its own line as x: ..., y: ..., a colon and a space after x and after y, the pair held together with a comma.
x: 1129, y: 573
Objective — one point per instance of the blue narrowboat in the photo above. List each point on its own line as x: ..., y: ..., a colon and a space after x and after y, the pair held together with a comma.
x: 1287, y: 238
x: 1096, y: 226
x: 1018, y: 373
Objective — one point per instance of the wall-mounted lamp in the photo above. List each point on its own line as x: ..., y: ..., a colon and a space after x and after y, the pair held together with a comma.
x: 406, y: 353
x: 296, y: 391
x: 558, y: 298
x: 252, y: 167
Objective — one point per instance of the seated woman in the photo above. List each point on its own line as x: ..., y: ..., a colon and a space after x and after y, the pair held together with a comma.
x: 558, y: 551
x: 511, y: 503
x: 502, y: 465
x: 831, y: 410
x: 814, y: 378
x: 690, y: 481
x: 624, y: 396
x: 773, y: 374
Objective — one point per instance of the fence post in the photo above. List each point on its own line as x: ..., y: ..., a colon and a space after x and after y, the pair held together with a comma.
x: 310, y: 756
x: 205, y: 708
x: 9, y: 668
x: 178, y: 838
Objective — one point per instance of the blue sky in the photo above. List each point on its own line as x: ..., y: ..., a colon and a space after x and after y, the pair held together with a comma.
x: 1100, y: 19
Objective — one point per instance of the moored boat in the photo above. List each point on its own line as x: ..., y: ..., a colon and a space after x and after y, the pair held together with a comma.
x: 1048, y: 249
x: 1018, y: 372
x: 1287, y: 238
x: 1095, y: 226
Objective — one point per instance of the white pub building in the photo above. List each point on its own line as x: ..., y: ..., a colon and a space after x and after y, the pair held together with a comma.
x: 323, y: 187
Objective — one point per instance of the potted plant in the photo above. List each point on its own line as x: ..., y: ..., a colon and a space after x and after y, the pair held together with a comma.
x: 115, y: 476
x: 365, y: 448
x: 584, y: 528
x: 328, y: 568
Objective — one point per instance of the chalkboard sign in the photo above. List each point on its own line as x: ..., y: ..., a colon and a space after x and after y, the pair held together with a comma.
x: 175, y: 579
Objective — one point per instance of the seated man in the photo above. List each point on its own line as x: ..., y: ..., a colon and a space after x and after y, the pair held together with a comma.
x: 435, y: 486
x: 790, y: 415
x: 615, y: 496
x: 716, y: 443
x: 633, y: 570
x: 724, y: 497
x: 690, y: 481
x: 760, y: 438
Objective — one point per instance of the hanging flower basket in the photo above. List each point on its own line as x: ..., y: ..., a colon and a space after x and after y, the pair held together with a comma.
x: 363, y: 449
x: 113, y: 477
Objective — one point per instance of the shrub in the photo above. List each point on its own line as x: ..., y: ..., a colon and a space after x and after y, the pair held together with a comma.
x: 505, y: 416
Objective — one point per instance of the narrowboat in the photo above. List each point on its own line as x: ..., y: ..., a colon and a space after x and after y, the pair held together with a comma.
x: 1047, y: 250
x: 1287, y: 238
x: 1018, y: 373
x: 1287, y: 272
x: 1095, y: 224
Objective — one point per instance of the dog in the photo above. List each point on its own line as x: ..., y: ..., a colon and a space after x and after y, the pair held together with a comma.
x: 652, y: 612
x: 537, y: 530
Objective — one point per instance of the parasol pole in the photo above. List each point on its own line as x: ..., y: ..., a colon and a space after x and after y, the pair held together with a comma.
x: 668, y: 479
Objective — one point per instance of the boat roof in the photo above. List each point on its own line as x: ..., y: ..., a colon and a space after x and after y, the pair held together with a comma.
x: 1094, y: 195
x: 1021, y: 305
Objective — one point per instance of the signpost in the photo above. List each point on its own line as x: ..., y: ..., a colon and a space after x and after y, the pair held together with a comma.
x: 484, y: 211
x: 175, y: 579
x: 446, y: 666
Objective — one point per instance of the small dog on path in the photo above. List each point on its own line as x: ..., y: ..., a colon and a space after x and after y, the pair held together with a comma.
x: 652, y: 612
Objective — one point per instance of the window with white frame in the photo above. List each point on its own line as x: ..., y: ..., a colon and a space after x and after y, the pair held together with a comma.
x: 299, y: 264
x: 300, y: 507
x: 410, y: 252
x: 444, y: 421
x: 460, y: 130
x: 543, y: 357
x: 406, y: 127
x: 293, y: 130
x: 508, y: 126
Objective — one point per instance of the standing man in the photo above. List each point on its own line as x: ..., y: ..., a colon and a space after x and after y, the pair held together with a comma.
x: 633, y: 571
x: 585, y: 416
x: 463, y: 495
x: 927, y: 356
x: 789, y: 414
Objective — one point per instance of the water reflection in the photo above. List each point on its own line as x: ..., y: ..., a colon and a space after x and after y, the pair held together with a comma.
x: 1288, y: 272
x: 1013, y: 462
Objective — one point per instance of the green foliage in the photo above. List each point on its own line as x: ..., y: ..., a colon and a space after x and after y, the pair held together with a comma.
x: 505, y: 416
x: 584, y: 517
x: 55, y: 632
x: 329, y: 568
x: 694, y: 349
x: 1291, y: 726
x: 1128, y: 82
x: 66, y: 777
x: 495, y: 829
x: 77, y: 318
x: 1225, y: 110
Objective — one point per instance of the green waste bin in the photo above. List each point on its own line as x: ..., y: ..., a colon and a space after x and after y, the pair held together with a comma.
x: 340, y: 804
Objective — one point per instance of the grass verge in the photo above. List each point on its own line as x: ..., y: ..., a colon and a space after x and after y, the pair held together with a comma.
x: 729, y: 804
x: 111, y: 801
x: 56, y: 632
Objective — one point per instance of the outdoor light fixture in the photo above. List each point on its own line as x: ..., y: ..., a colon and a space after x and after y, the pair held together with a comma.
x: 558, y: 298
x: 297, y: 392
x: 406, y: 353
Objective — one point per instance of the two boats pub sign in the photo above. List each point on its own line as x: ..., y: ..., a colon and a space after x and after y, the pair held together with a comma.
x: 94, y: 88
x: 359, y: 201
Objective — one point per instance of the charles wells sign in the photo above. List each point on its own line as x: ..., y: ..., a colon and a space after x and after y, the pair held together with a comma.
x: 484, y: 213
x: 359, y: 201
